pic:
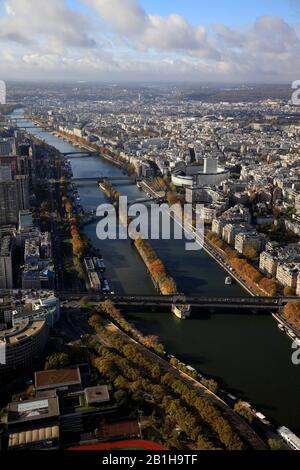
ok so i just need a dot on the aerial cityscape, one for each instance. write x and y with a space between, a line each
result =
149 227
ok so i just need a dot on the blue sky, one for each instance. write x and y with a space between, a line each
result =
225 40
232 12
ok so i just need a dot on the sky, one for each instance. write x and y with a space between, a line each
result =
150 40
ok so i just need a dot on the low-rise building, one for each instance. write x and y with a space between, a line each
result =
61 379
34 424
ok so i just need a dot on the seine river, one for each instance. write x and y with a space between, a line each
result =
246 353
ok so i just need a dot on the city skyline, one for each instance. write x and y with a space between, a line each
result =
135 40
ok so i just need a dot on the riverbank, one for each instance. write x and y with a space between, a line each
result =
242 352
209 249
162 280
209 401
206 245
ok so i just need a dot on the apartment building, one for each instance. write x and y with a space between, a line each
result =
268 262
230 231
287 274
218 226
248 240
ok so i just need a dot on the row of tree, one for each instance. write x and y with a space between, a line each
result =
248 271
138 377
211 384
218 243
244 267
150 341
157 269
209 413
131 370
162 279
292 313
110 191
78 247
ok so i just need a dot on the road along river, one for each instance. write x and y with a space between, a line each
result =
246 353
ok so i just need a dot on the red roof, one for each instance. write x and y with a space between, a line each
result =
129 444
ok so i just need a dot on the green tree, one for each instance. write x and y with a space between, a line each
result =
57 361
276 444
243 410
121 398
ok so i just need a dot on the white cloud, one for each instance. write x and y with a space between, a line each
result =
125 16
170 33
47 38
50 20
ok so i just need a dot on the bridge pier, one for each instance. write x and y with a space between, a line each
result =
183 312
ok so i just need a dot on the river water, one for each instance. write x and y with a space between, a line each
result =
247 354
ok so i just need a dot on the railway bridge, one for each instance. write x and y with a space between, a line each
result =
257 304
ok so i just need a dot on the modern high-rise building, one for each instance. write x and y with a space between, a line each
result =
6 271
22 185
9 205
25 220
5 173
24 344
14 191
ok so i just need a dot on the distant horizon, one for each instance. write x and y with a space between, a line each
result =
145 82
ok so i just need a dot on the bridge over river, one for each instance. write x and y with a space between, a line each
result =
80 154
101 178
159 301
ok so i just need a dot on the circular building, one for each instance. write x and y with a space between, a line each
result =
210 175
20 346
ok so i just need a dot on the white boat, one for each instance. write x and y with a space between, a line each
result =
228 281
182 311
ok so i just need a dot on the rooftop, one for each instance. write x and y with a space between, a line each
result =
50 379
33 436
24 330
5 246
32 410
97 394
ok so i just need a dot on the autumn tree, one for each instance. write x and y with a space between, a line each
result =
243 410
250 252
292 313
289 292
